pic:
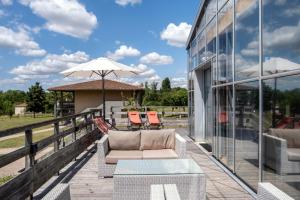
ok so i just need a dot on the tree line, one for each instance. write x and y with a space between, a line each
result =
165 96
36 98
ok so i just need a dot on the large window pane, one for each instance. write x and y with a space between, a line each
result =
281 41
211 9
247 39
201 47
223 121
221 3
281 138
225 43
211 41
246 130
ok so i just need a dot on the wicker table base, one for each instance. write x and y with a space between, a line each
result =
191 186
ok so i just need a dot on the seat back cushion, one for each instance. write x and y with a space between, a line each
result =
292 136
157 139
124 140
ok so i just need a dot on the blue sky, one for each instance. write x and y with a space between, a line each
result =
40 38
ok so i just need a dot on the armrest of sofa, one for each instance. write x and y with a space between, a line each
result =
267 190
275 150
103 147
180 146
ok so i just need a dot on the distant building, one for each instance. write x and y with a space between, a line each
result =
20 109
88 95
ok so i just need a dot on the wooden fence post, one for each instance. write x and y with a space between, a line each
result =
29 159
56 143
74 126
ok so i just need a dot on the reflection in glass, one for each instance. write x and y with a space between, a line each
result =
281 138
246 130
247 37
225 43
221 3
211 10
223 121
208 106
281 36
211 44
201 47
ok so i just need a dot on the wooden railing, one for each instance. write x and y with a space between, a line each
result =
37 172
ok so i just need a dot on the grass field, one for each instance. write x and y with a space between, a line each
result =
20 140
15 121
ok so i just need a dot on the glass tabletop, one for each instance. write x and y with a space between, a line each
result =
157 167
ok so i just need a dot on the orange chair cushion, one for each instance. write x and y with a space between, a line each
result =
101 124
153 117
134 117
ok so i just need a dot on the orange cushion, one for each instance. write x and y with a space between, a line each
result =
101 124
134 117
153 117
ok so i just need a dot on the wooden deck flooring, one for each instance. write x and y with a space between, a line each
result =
84 182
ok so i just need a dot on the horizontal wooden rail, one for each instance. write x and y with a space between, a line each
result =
37 172
20 129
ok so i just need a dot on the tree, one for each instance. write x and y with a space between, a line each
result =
8 108
166 85
36 98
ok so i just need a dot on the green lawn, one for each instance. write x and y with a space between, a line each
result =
7 123
19 141
5 179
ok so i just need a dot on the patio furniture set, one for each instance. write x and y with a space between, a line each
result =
139 159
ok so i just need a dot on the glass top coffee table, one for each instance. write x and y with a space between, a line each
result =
133 178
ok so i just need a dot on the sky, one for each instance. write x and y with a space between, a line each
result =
40 38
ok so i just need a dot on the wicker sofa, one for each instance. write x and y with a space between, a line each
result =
135 145
282 150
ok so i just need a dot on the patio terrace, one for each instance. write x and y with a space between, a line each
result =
82 175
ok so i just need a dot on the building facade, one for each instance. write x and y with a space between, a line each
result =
88 95
244 88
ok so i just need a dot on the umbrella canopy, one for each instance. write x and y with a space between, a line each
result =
98 67
101 68
272 66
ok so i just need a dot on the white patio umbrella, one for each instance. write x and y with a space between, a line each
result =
101 68
272 66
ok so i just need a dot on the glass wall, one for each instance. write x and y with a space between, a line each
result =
281 36
281 133
246 39
225 42
232 48
224 125
247 132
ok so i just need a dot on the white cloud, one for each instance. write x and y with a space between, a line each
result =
156 59
122 52
6 2
176 35
126 2
49 65
252 49
2 13
292 11
285 37
67 17
21 41
179 82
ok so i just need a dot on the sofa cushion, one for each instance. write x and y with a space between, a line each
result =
124 140
159 154
292 136
293 154
114 155
157 139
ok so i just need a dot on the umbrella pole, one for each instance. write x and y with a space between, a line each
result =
103 96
